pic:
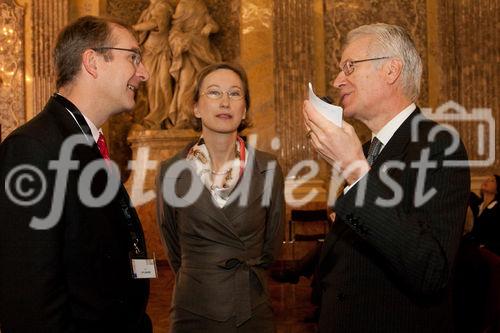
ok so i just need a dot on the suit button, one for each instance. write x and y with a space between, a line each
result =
340 297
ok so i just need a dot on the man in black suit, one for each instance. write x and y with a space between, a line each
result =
67 229
386 265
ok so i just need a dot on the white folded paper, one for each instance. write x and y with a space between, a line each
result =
331 112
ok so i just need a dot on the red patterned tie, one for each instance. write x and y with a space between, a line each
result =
101 143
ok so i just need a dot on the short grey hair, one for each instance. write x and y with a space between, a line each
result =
396 42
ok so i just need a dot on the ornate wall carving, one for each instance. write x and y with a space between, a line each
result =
49 16
11 66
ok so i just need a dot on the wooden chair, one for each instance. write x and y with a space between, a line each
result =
310 218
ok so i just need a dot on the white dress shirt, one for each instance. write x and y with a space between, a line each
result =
386 133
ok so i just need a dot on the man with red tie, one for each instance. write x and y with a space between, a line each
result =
68 233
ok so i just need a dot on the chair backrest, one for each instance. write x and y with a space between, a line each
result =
308 216
300 215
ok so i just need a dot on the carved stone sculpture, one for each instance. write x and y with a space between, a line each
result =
191 51
154 26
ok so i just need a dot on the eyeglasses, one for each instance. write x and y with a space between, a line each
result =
136 55
215 93
348 66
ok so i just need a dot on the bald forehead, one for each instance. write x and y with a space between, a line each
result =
358 47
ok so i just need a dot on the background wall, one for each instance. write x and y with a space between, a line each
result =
283 45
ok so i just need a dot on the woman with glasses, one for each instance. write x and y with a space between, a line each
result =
220 211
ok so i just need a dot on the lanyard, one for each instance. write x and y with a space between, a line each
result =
137 246
80 120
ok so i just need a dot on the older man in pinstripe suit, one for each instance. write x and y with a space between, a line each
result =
388 260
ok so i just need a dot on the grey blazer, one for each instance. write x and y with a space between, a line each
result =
219 255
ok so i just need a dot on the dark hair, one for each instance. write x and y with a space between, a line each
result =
497 181
196 122
86 32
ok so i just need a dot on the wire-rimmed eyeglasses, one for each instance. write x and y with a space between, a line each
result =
216 93
136 55
348 66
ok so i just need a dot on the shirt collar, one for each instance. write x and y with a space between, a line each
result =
386 133
93 128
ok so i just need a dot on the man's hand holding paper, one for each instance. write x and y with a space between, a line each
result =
338 144
331 112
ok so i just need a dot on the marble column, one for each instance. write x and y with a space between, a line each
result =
464 67
12 52
49 17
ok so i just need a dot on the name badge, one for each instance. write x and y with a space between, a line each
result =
144 269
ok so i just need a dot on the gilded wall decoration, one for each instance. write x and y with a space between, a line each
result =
11 66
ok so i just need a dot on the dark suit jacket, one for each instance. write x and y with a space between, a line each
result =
75 276
219 254
387 269
486 230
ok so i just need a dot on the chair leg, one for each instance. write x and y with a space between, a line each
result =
291 236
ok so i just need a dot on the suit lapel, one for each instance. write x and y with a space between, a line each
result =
398 143
188 180
393 150
249 188
85 155
203 203
69 127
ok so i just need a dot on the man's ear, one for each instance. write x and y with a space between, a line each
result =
89 61
393 69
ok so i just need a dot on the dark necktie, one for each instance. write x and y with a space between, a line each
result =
101 144
374 150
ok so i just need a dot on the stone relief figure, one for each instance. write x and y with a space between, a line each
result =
191 51
154 26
